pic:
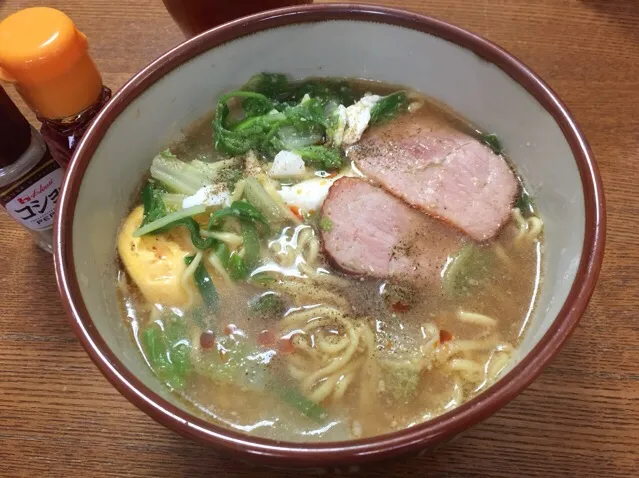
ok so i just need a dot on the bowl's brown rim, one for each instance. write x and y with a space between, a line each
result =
356 451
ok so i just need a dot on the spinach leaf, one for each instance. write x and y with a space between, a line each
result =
326 91
321 157
389 107
154 207
247 134
266 305
270 85
493 142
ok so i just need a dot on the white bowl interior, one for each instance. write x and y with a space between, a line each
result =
474 88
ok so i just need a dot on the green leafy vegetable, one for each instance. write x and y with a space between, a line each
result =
401 383
186 178
471 265
235 363
168 351
525 203
294 398
251 244
321 157
250 133
163 222
236 268
267 305
493 142
239 210
388 107
154 207
223 254
326 224
325 90
205 285
255 194
271 85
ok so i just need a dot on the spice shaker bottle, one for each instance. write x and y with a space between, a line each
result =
30 179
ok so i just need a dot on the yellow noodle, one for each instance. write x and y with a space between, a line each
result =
187 277
219 268
231 239
305 293
332 344
496 365
238 192
323 278
297 373
336 363
535 226
476 319
469 368
326 387
298 317
342 385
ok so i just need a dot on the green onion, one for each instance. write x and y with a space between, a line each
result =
168 219
240 210
251 244
205 285
194 229
223 254
237 271
294 398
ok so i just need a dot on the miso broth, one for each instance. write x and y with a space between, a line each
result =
234 301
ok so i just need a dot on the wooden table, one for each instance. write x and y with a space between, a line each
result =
60 417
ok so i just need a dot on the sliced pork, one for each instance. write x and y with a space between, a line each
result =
440 170
367 231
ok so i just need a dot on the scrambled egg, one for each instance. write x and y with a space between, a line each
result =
155 262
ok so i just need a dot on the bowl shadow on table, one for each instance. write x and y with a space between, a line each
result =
516 440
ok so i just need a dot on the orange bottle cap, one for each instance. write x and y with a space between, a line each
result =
44 54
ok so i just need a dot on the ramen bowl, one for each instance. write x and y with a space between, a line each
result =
474 77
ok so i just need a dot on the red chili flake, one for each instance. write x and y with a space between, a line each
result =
400 307
445 336
266 338
230 329
207 340
285 345
296 210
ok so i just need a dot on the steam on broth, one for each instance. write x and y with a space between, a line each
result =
341 260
